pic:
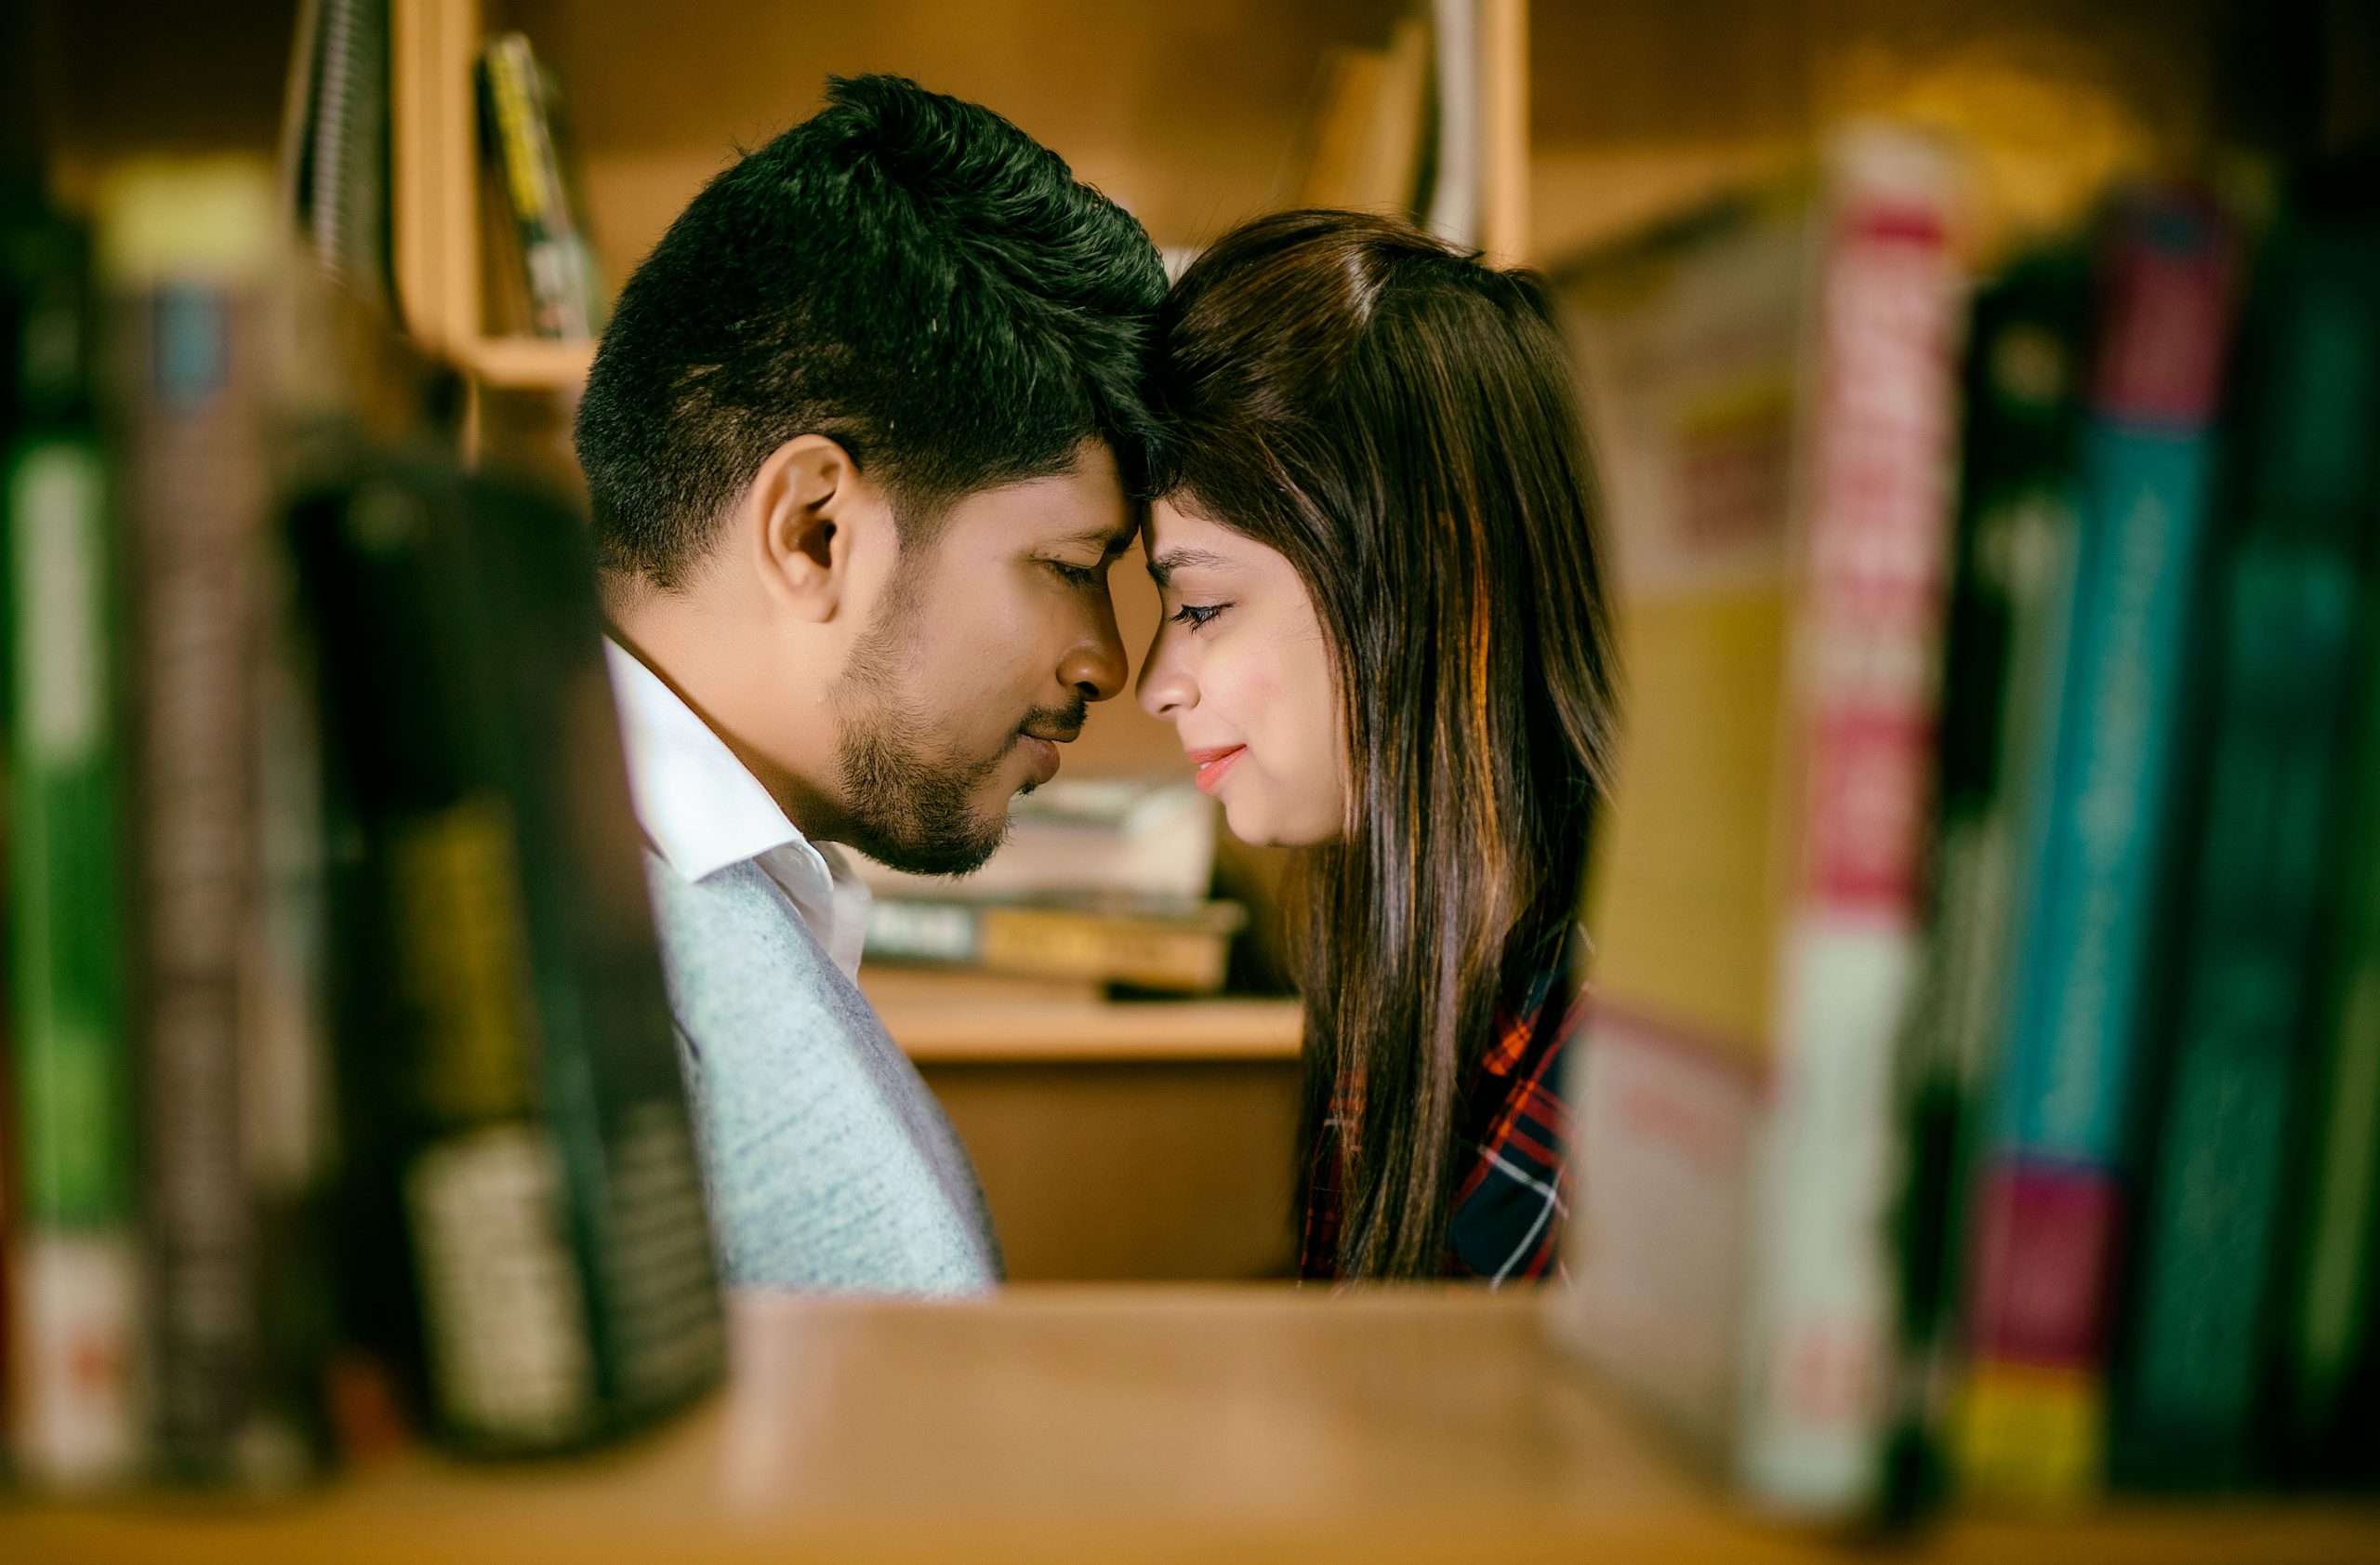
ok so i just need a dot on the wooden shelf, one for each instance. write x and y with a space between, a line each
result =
1122 1033
1125 1424
528 363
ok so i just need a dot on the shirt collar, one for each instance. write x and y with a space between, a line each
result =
703 809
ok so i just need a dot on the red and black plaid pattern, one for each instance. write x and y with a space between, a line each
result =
1505 1220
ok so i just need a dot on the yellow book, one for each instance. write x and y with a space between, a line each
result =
1769 385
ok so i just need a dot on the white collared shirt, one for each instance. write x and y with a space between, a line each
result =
704 810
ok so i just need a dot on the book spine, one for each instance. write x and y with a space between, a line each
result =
522 140
2192 1339
77 1295
1055 944
2322 470
1864 680
1041 942
191 247
611 1078
2329 1350
507 1051
2015 555
2031 1424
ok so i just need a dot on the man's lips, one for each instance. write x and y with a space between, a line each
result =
1214 763
1042 753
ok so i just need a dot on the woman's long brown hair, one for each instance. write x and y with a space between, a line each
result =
1399 421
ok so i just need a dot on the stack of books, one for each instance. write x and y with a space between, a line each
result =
1102 882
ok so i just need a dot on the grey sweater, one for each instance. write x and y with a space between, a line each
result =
828 1163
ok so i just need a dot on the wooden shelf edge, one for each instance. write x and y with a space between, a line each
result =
529 363
1123 1032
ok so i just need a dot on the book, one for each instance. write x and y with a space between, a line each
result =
335 141
2051 1198
527 146
1149 838
527 1253
189 252
2298 497
1771 384
74 1347
2322 392
2011 581
1180 948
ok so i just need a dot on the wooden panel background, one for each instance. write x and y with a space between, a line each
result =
1132 1171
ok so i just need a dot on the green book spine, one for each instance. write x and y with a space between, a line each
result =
508 1060
2187 1389
77 1296
2326 1379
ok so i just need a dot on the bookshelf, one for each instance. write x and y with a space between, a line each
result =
520 364
658 109
1129 1425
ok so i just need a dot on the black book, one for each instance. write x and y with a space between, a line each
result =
525 1237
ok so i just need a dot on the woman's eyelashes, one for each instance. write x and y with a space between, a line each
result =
1195 615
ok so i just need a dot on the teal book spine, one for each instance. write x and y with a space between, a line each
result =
2052 1192
2219 1135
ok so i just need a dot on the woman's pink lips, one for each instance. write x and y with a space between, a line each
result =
1213 763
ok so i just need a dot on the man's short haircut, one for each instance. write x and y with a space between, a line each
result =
907 274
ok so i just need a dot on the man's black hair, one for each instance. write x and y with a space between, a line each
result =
907 274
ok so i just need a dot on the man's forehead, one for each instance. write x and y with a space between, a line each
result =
1083 506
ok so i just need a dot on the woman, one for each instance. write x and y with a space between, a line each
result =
1386 643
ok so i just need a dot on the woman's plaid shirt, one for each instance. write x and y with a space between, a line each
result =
1505 1221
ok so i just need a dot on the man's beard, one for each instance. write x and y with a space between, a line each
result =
906 808
905 804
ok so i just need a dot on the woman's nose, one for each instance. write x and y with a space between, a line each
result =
1165 688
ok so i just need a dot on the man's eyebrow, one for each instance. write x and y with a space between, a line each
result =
1162 568
1109 541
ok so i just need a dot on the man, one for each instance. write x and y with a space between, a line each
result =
861 440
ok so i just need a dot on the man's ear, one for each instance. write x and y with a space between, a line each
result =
800 517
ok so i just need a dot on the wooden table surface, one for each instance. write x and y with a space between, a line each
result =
1122 1425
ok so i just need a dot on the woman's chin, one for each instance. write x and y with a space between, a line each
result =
1253 822
1248 822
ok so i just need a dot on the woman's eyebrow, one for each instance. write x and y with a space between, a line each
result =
1161 567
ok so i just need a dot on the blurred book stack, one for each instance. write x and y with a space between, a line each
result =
1984 1095
344 1085
1101 881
